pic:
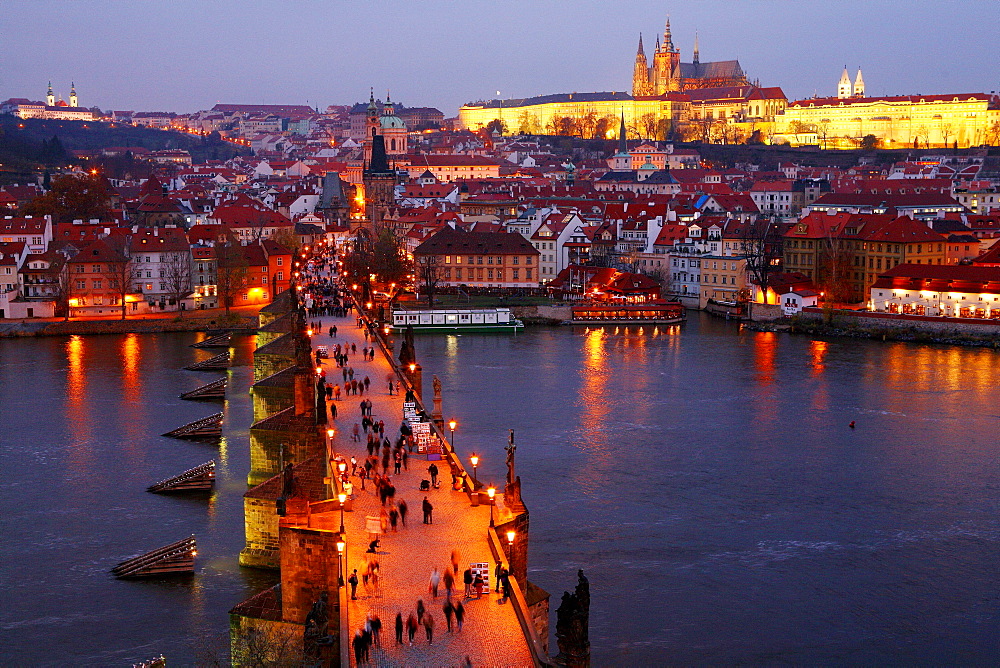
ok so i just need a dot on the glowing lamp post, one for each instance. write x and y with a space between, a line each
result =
475 463
343 499
491 492
451 425
329 442
341 546
510 538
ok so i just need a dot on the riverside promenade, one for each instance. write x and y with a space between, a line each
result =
491 635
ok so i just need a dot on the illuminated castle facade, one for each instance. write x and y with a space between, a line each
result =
668 74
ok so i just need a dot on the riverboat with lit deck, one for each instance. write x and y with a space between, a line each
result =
653 313
498 320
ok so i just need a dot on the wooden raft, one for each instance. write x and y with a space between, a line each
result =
218 363
206 428
199 479
218 341
174 558
214 391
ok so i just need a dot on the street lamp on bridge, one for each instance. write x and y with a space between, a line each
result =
475 462
491 492
342 497
451 425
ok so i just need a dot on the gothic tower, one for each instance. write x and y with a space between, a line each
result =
379 180
72 94
640 76
50 98
844 87
697 57
859 85
666 65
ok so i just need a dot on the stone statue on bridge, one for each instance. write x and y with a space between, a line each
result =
573 626
511 449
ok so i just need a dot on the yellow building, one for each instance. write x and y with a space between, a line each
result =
591 114
896 121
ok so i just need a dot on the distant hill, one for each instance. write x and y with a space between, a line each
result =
26 144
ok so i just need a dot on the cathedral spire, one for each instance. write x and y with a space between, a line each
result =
697 59
668 41
641 51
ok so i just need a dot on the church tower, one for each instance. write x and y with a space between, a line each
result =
844 90
621 161
50 98
859 85
640 76
379 180
73 100
697 56
666 65
372 126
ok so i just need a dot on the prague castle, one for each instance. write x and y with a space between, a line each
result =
668 74
668 99
895 121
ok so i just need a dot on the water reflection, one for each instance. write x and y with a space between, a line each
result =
817 355
595 407
76 405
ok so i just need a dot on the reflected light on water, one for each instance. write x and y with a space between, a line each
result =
76 386
595 407
764 345
817 357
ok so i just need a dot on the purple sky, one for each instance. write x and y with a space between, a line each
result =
185 55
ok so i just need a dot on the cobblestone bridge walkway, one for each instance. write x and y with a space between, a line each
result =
491 635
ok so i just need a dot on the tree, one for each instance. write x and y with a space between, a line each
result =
528 124
604 127
993 134
177 275
757 239
834 269
73 197
496 125
429 275
870 143
120 271
647 126
232 272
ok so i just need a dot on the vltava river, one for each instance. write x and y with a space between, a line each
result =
706 480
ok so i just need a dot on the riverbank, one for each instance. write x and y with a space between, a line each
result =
889 331
238 322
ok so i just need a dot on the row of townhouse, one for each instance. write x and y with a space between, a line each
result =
88 269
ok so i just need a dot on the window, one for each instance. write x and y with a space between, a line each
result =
246 296
517 260
280 260
81 285
479 260
527 274
458 259
280 276
489 260
447 259
489 274
458 273
499 274
163 287
149 274
96 268
516 274
528 261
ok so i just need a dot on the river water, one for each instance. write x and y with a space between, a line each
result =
706 480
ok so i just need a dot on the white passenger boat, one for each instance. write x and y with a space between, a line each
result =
457 320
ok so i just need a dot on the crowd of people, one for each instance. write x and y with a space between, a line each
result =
385 457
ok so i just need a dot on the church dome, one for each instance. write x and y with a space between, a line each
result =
392 123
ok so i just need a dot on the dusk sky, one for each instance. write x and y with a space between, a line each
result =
185 55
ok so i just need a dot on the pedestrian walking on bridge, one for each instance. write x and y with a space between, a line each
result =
428 512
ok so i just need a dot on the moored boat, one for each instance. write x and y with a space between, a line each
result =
498 320
656 313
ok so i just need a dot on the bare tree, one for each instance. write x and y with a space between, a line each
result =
429 274
177 275
756 240
120 271
232 272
